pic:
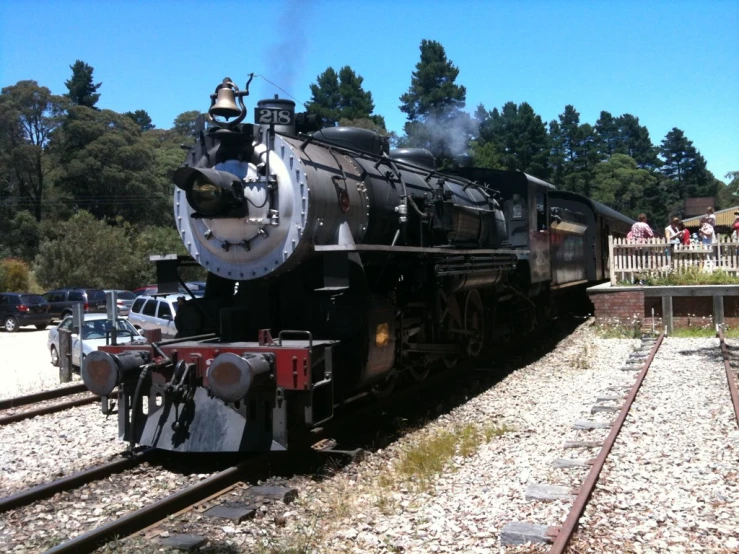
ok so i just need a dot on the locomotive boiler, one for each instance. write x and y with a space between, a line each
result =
336 268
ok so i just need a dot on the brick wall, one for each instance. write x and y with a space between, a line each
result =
621 306
687 311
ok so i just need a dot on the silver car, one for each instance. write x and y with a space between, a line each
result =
124 300
96 332
155 312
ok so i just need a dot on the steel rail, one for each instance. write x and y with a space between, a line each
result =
47 490
146 516
565 532
61 406
729 374
41 396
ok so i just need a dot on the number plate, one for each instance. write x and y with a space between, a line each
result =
268 116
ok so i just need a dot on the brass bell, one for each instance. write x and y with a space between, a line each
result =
225 105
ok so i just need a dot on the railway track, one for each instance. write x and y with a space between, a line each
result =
563 535
22 407
47 490
356 426
565 532
731 373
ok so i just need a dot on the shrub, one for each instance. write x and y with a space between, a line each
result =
14 275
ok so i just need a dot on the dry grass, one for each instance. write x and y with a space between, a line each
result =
431 455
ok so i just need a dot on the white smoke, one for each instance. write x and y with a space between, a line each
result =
447 133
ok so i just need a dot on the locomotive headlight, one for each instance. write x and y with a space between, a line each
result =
211 192
382 335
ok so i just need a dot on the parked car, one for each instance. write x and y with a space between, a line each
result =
95 333
147 290
63 300
152 290
21 309
155 312
124 300
197 287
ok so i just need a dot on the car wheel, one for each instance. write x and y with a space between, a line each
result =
10 324
40 327
66 313
54 356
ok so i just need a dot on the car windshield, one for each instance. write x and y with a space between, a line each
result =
32 299
97 329
125 295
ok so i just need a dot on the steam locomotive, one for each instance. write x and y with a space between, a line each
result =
336 268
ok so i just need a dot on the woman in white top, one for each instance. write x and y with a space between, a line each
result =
671 231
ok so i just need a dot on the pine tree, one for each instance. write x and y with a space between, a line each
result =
519 136
635 142
82 91
142 119
434 104
685 167
607 129
340 97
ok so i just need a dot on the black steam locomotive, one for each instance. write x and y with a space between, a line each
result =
336 267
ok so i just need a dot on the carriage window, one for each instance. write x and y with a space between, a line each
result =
541 213
517 207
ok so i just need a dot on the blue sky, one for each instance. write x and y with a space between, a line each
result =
670 63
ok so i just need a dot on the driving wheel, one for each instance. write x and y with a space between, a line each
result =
474 322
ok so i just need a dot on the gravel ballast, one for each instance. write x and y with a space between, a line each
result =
670 483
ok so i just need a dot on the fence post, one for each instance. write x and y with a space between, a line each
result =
611 261
667 313
65 355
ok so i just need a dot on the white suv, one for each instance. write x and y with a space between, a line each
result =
155 312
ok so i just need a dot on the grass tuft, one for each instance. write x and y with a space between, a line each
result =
430 456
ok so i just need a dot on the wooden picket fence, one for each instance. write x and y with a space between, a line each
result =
656 257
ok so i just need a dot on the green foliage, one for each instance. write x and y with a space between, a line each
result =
109 170
518 135
142 119
29 117
620 184
14 275
574 153
685 168
433 91
691 276
434 104
86 252
340 96
186 123
486 155
82 91
22 236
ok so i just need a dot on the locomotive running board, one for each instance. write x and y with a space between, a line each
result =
415 249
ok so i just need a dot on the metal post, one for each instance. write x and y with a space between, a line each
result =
718 310
111 308
65 356
78 322
667 313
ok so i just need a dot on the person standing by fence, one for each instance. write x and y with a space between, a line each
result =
672 233
672 236
641 230
684 234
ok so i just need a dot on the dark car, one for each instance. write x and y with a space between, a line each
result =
63 300
20 309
